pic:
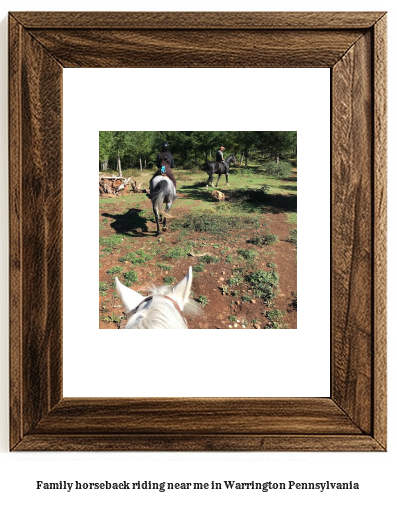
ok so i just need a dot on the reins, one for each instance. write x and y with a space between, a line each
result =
149 298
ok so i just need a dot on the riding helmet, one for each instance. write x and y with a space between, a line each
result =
165 146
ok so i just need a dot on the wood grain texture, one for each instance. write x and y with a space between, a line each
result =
352 232
15 228
354 46
204 443
195 416
380 229
36 209
196 48
200 20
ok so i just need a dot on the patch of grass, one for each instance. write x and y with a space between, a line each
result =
113 271
111 241
177 252
246 298
232 318
169 280
199 268
220 224
165 267
292 217
248 254
280 170
293 237
202 300
271 265
235 280
264 239
275 315
209 259
229 259
110 318
225 290
103 287
130 277
137 257
264 284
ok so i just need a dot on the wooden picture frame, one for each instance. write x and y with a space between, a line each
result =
353 46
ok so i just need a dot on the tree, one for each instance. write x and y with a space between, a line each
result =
105 147
277 142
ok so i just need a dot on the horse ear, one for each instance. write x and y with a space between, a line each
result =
181 292
130 298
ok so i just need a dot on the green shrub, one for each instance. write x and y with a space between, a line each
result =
219 224
293 236
169 280
264 239
202 300
130 277
103 287
113 271
209 259
280 170
165 267
264 284
138 257
248 254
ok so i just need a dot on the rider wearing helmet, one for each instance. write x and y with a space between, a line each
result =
165 163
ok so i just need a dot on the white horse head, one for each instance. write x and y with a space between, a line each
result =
163 309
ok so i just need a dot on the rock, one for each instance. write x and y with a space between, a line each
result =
253 301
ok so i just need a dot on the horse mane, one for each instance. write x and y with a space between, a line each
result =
161 313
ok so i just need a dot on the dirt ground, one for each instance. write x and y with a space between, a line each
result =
218 314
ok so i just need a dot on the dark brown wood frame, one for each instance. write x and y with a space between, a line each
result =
353 46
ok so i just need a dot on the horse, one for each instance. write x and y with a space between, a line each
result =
163 309
219 168
162 191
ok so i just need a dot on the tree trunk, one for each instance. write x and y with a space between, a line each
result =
246 157
119 163
241 158
140 162
277 158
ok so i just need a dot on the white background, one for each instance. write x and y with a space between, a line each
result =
18 472
212 362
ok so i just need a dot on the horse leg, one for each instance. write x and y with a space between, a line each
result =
167 208
219 175
227 179
156 216
208 181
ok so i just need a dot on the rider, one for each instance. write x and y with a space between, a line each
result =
219 156
165 163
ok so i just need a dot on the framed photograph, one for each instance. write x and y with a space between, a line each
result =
353 46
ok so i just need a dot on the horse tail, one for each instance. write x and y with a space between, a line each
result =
158 196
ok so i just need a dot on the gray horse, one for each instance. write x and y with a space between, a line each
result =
162 191
219 168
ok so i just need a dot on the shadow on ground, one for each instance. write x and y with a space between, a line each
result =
130 223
